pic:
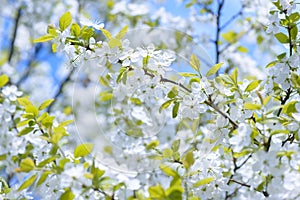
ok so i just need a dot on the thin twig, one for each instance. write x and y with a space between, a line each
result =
209 103
233 17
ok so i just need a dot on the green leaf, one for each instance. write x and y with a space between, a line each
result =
153 144
156 192
294 32
176 145
281 56
46 161
165 105
3 80
28 182
27 165
66 123
282 38
32 110
25 131
195 62
59 132
175 110
106 96
173 93
67 195
167 153
254 84
187 74
289 108
214 69
118 186
44 38
251 106
83 150
136 101
45 104
113 42
294 17
24 101
234 75
43 178
168 170
271 64
188 159
65 21
230 36
204 181
242 49
104 81
266 100
106 33
122 33
75 30
54 47
122 70
86 33
280 132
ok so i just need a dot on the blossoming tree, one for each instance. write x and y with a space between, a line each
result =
139 110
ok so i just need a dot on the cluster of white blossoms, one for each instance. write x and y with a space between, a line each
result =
164 135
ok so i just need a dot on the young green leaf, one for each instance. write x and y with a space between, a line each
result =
67 195
65 21
44 38
282 38
157 192
122 33
113 42
83 150
254 84
3 80
195 62
153 144
25 131
204 181
214 69
251 106
75 30
175 110
43 178
168 170
45 104
105 96
165 105
28 182
27 165
188 159
106 33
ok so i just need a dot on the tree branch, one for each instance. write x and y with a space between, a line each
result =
60 90
29 65
13 39
218 31
233 17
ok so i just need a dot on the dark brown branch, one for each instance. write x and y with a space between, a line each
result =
283 101
13 39
60 89
233 17
29 65
218 31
